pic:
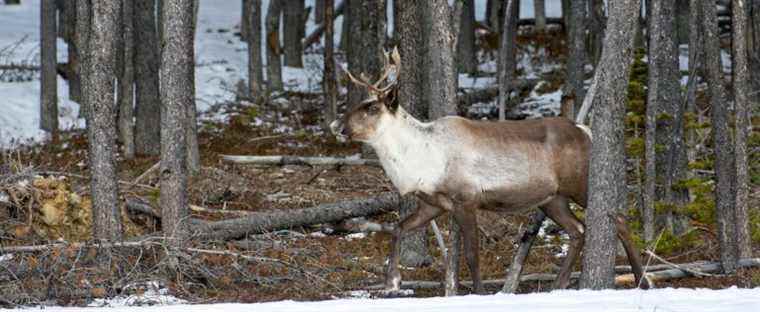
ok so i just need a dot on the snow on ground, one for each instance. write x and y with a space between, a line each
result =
669 300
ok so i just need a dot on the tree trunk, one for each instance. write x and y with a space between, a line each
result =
69 23
539 9
191 125
127 81
255 67
724 157
274 65
414 248
741 86
101 126
607 185
439 66
48 62
344 43
245 21
293 32
681 15
261 222
177 93
507 56
696 65
753 32
319 11
366 42
466 57
147 103
665 114
597 24
329 78
576 60
495 18
83 29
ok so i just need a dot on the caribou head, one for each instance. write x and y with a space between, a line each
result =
365 120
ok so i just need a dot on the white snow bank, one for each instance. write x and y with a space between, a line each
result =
677 300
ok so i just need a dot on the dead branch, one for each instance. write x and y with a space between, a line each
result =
13 66
220 211
258 222
297 160
147 172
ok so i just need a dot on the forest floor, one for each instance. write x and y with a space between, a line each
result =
44 198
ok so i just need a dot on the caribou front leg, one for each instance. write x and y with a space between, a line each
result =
425 212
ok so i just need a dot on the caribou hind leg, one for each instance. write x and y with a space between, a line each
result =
558 209
624 234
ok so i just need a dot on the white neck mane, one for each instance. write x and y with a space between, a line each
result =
410 151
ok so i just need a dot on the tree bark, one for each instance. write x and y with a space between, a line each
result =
245 21
48 62
366 42
439 68
507 56
293 32
696 65
753 32
126 97
607 172
260 222
597 24
466 57
274 65
344 41
101 127
147 103
329 79
177 93
724 166
255 66
319 11
743 125
83 29
69 23
576 60
539 9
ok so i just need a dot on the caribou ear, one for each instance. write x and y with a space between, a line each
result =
390 98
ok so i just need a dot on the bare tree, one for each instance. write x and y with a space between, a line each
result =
539 9
48 74
724 166
293 31
68 21
255 66
319 11
329 80
414 249
607 185
696 64
127 80
576 59
596 26
366 41
83 25
466 58
741 83
507 56
245 22
101 126
274 64
177 93
147 103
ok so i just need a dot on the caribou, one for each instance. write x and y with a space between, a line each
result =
459 166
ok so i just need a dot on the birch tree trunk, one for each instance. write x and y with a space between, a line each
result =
101 126
724 156
274 64
127 81
147 102
48 62
741 83
607 185
177 93
507 56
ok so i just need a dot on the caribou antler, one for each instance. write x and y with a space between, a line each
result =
388 67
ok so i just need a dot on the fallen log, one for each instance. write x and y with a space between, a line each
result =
297 160
661 275
259 222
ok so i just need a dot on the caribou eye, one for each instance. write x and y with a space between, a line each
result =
373 109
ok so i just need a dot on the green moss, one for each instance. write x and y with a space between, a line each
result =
635 147
705 164
754 224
